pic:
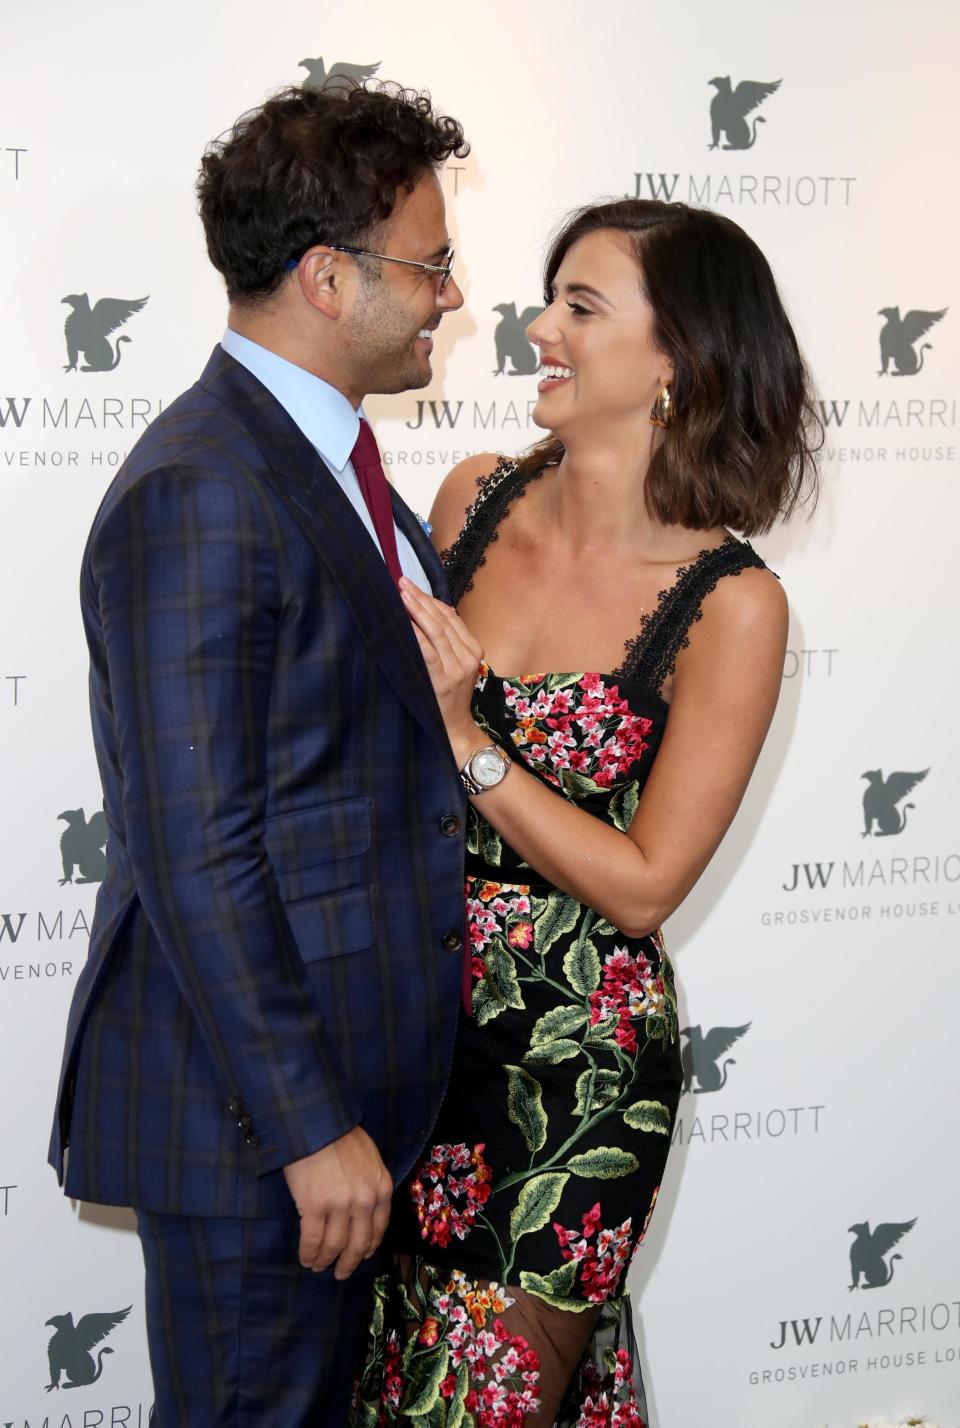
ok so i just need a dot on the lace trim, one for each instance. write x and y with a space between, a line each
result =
495 495
652 653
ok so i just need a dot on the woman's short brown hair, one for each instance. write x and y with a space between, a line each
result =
739 451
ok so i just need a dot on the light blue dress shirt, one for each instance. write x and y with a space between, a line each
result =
329 423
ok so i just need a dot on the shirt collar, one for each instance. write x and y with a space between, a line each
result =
322 413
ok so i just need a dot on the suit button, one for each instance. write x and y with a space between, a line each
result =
251 1139
245 1123
235 1106
452 941
450 825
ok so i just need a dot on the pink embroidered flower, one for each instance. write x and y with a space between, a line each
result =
392 1378
429 1332
610 1400
630 990
447 1204
603 1262
520 934
489 906
503 1370
571 722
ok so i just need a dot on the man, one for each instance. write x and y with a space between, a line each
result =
260 1039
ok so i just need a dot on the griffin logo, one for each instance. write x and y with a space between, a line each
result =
69 1350
868 1250
701 1054
898 336
338 76
881 798
87 329
512 342
82 845
729 108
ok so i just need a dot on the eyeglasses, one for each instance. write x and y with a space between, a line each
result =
444 270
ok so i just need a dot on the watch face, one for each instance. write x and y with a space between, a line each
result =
487 768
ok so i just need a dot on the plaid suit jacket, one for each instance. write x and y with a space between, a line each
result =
276 952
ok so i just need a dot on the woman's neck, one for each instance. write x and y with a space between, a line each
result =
596 497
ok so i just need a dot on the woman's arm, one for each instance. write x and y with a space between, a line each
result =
725 692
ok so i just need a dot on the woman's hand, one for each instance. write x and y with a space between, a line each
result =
453 659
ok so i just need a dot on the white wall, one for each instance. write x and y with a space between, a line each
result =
837 1107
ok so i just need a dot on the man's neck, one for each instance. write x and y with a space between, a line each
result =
268 330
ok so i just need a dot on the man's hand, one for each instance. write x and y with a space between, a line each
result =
342 1194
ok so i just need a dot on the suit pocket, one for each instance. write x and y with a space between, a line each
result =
332 925
319 850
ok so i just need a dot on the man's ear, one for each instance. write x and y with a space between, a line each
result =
323 277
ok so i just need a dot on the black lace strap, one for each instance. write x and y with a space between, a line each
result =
665 631
495 494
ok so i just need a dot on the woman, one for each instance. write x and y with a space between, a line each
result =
677 404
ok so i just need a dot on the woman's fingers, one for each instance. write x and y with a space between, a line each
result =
442 625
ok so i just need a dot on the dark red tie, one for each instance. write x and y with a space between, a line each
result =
375 491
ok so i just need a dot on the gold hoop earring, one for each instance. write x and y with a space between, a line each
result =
661 413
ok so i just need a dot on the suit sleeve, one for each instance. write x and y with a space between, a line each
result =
189 603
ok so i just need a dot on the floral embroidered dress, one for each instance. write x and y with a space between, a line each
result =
512 1238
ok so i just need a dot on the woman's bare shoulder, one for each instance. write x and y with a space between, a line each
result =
457 493
742 625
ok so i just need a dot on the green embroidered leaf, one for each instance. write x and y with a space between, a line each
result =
525 1106
491 844
501 974
606 1088
605 1162
426 1376
553 1052
457 1408
533 1283
648 1116
560 681
602 1034
539 1198
559 916
376 1317
581 966
485 1005
557 1022
369 1415
658 1028
603 928
557 1282
623 805
578 785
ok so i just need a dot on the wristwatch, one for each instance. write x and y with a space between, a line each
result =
484 769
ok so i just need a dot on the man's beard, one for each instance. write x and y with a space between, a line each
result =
385 344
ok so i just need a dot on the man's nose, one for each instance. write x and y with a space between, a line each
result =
451 298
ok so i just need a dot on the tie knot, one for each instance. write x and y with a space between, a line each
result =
365 452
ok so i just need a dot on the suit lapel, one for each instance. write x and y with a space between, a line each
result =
315 500
424 551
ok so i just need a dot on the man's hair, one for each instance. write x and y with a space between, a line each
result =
741 445
313 166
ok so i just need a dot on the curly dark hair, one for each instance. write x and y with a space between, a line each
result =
313 166
740 450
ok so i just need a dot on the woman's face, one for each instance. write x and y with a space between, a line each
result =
599 362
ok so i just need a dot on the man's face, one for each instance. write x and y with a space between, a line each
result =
396 309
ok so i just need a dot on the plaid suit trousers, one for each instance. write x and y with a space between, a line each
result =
241 1335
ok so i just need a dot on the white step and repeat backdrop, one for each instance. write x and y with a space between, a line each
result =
803 1266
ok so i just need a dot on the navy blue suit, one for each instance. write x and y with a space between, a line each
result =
277 950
